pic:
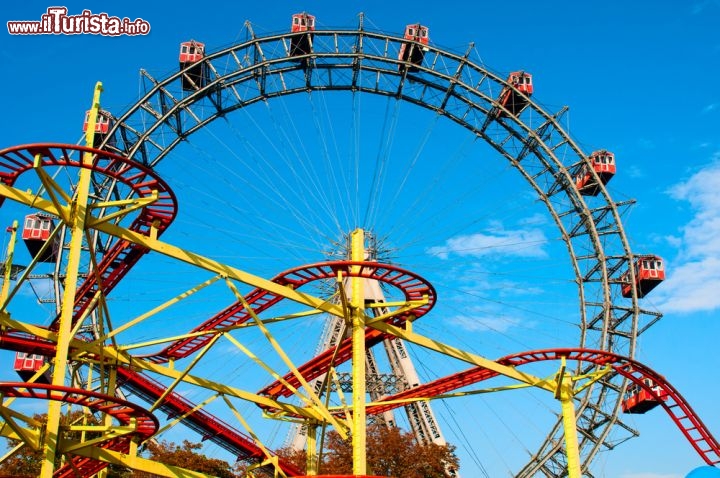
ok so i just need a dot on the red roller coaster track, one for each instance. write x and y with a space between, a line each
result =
113 266
118 261
676 406
145 424
140 180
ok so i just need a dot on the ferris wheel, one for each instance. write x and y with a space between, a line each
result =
240 198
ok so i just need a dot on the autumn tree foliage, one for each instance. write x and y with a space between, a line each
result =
390 452
185 456
26 462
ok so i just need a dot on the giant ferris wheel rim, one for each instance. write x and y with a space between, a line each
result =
601 269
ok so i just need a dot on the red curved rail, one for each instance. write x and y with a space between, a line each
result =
113 266
674 404
121 410
138 179
207 425
412 286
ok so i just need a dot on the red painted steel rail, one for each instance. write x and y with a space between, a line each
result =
121 410
139 180
672 401
412 286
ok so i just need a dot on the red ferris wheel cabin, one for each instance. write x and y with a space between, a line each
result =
302 44
302 22
26 365
603 162
649 272
36 232
414 47
102 122
191 54
640 400
515 100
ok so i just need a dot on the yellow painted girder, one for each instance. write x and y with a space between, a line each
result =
357 332
86 349
78 214
182 417
158 309
29 436
569 419
180 254
406 307
53 189
128 206
315 401
108 434
469 357
268 456
169 389
138 463
12 451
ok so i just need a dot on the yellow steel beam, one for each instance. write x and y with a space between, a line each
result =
357 307
449 350
137 463
572 449
252 434
30 436
183 374
405 307
53 190
591 378
12 451
108 434
158 309
311 453
275 375
316 402
8 263
127 205
182 255
79 212
180 418
404 401
217 267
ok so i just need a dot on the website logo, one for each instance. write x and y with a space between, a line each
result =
57 22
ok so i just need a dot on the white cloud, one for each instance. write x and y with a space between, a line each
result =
526 243
694 277
485 324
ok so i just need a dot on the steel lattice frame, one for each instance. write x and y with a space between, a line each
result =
361 61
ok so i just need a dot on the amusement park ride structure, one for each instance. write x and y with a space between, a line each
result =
118 208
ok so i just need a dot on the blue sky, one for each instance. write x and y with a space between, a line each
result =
638 78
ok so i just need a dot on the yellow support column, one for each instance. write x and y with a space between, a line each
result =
311 456
357 310
8 263
78 214
572 449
